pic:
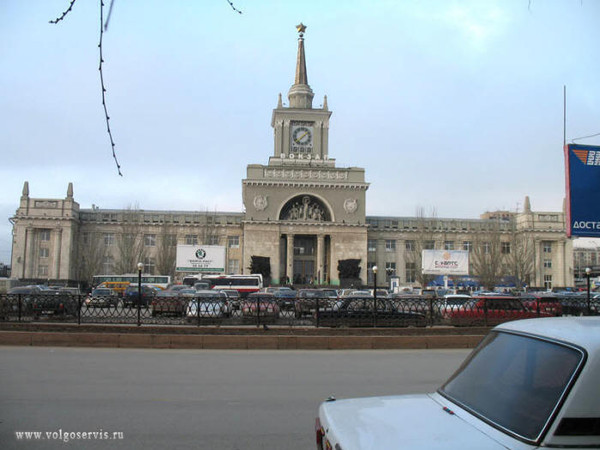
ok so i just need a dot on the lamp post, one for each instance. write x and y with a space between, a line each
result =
374 295
588 272
140 267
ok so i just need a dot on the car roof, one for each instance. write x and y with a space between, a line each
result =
581 331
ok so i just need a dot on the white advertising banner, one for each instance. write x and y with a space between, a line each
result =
445 262
200 258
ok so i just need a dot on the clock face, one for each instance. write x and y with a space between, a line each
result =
302 138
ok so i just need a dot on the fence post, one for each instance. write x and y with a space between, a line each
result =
198 311
19 305
318 312
258 311
374 310
485 312
79 309
431 314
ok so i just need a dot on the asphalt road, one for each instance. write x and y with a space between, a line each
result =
200 399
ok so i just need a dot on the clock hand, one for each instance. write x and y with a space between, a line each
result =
297 141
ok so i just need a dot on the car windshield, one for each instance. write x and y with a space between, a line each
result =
514 382
101 292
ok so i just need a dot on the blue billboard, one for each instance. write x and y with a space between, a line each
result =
582 164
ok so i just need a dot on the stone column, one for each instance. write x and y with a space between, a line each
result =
290 258
320 247
57 253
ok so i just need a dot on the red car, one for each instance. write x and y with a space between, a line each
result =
542 303
492 310
266 304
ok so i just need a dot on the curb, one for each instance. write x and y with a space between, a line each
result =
239 342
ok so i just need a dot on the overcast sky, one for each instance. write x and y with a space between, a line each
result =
455 106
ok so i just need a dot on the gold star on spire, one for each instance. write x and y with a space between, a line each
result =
301 28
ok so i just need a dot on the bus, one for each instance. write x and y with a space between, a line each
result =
244 284
119 283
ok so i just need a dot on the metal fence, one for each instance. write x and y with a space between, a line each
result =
263 310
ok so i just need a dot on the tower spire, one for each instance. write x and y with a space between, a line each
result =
300 94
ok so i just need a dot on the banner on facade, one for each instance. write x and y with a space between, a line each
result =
200 258
582 164
445 262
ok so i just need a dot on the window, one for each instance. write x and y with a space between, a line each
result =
505 248
390 245
390 270
409 246
170 240
411 272
213 240
107 264
191 239
42 271
149 265
547 263
429 245
514 381
150 240
372 245
44 252
467 245
44 235
547 246
449 245
233 242
548 282
233 266
487 248
109 239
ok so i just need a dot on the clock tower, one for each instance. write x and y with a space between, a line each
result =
302 212
301 133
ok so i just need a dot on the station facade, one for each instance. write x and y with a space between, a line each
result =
302 212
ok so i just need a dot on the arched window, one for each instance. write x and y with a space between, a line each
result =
305 208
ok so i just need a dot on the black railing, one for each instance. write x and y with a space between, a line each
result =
261 310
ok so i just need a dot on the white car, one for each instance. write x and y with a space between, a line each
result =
529 384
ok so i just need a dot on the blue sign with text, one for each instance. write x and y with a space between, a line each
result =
583 190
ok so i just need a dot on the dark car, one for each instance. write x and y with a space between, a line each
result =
284 296
19 299
170 302
63 302
131 296
368 312
308 300
102 298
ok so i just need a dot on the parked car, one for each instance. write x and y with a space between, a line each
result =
208 304
170 302
23 295
131 296
259 303
64 302
360 312
529 384
450 303
491 310
285 298
102 298
576 304
543 303
306 301
233 299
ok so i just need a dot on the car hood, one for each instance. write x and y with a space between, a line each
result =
408 421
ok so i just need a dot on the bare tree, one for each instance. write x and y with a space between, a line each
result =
423 238
167 250
209 233
521 259
130 241
488 256
91 252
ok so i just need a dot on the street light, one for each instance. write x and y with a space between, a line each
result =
140 267
375 282
374 295
588 272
